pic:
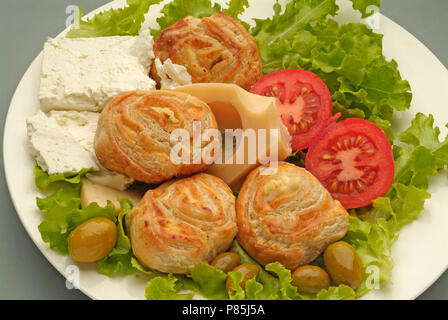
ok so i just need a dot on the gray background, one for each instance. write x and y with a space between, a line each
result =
24 27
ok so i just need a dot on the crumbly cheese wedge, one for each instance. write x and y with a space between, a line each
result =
55 149
172 75
92 192
110 179
235 108
83 74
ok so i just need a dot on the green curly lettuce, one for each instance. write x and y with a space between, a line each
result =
178 9
341 292
210 281
236 291
120 259
43 180
61 209
57 226
204 279
166 288
125 21
268 286
366 7
236 7
62 213
274 282
272 33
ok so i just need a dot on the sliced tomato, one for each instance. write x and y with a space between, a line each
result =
353 160
303 100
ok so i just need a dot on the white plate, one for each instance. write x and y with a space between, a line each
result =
420 253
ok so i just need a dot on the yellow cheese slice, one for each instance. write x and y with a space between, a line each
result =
236 108
93 192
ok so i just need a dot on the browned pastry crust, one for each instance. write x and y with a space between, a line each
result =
287 216
213 49
183 223
133 134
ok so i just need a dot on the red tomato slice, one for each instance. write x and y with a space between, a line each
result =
303 100
353 160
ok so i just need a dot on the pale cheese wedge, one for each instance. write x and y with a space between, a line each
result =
236 108
93 192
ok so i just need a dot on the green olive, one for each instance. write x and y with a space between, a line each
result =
226 261
92 240
249 271
343 264
310 279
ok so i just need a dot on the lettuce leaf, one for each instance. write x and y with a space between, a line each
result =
270 286
366 7
267 286
420 156
166 288
236 7
139 267
125 21
341 292
423 133
56 228
179 9
236 292
58 206
373 243
286 290
210 281
44 181
297 14
204 279
120 259
62 213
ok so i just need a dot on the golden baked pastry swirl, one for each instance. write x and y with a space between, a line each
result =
213 49
133 136
287 216
183 223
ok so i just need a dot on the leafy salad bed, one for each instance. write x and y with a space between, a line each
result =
363 84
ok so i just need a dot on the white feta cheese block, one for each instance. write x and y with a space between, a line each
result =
82 126
55 149
83 74
172 75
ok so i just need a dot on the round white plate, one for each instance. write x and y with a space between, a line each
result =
419 254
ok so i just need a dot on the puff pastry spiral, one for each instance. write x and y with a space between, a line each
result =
287 216
183 223
133 136
213 49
